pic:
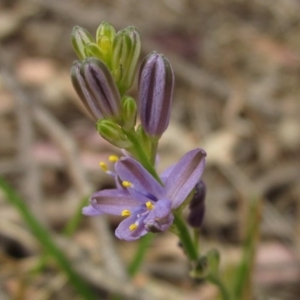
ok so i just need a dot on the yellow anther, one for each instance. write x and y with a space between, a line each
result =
125 213
149 205
133 227
113 158
126 184
103 166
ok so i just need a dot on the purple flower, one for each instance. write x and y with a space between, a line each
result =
146 204
156 82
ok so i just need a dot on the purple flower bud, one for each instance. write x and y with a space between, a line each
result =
197 205
82 91
95 86
156 82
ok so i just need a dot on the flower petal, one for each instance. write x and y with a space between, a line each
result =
91 211
166 173
130 170
160 217
184 176
114 201
123 231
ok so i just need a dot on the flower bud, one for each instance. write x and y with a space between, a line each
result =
197 206
102 88
80 87
126 51
105 29
129 111
104 37
80 37
113 133
156 82
93 50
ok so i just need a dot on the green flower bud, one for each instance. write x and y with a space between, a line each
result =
105 29
104 37
113 133
80 37
129 111
93 50
126 51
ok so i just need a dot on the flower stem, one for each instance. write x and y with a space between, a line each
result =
196 232
140 153
154 144
185 238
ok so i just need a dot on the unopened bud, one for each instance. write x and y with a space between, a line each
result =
102 88
113 133
93 50
105 29
126 51
129 111
197 206
80 37
80 87
104 37
156 82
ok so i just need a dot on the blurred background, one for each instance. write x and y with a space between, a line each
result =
237 68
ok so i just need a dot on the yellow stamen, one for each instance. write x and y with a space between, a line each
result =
149 205
126 184
113 158
103 166
125 213
133 227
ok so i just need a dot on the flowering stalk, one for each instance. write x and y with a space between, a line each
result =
149 202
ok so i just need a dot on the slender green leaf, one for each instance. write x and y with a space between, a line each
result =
46 241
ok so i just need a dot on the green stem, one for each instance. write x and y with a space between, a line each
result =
185 238
196 233
45 239
214 279
138 258
140 153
